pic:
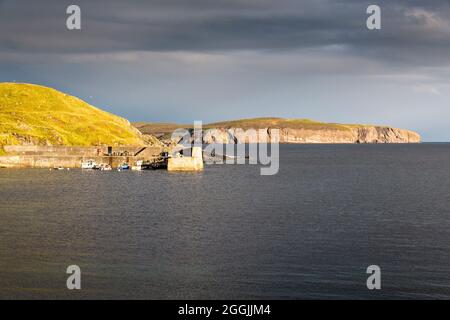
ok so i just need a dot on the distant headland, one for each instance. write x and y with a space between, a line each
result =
291 131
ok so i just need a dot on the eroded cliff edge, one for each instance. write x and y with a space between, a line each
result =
287 135
290 130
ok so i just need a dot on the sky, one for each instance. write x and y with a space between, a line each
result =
214 60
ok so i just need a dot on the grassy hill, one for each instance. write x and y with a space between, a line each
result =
32 114
300 131
160 129
260 123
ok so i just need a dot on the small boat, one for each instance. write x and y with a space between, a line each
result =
158 165
90 165
105 167
123 167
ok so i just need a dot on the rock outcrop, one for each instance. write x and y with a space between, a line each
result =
290 131
366 134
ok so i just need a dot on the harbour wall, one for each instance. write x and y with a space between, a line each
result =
72 157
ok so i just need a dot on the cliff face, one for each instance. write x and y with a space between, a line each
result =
291 131
367 134
386 135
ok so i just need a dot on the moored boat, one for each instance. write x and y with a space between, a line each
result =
105 167
123 167
90 165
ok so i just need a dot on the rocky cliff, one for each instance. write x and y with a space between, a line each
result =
373 134
290 130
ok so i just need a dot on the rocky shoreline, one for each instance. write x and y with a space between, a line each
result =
258 130
375 134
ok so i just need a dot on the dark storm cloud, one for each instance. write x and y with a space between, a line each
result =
411 29
223 59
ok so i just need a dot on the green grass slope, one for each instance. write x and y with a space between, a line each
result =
260 123
32 114
158 128
255 123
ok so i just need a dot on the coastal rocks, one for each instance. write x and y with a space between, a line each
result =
386 135
217 136
258 130
288 135
235 135
355 134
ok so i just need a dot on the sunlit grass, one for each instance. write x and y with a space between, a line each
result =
254 123
259 123
40 115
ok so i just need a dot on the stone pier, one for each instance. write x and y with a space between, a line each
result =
72 157
193 163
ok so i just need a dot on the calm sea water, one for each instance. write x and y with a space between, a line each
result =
308 232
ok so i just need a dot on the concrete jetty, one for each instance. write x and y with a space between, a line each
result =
182 163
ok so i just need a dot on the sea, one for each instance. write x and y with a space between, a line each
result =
308 232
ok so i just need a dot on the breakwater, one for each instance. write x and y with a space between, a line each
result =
72 157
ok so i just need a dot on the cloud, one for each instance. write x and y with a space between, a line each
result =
429 21
201 25
231 58
427 89
326 36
